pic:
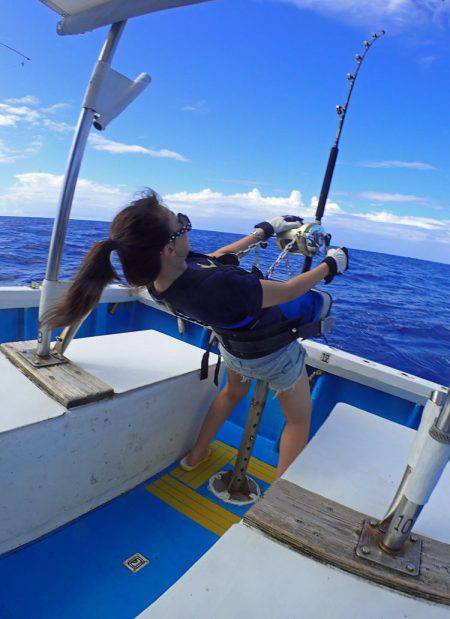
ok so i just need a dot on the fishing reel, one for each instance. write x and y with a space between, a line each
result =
306 240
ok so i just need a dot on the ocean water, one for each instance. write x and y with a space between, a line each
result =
389 309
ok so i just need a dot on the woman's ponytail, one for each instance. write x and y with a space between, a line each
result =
138 233
94 274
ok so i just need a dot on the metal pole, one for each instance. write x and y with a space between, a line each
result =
435 397
70 180
407 512
236 486
238 480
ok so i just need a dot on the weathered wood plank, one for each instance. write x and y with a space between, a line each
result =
329 532
67 383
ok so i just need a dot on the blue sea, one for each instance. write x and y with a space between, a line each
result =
389 309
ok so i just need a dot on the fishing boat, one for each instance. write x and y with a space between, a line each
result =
97 519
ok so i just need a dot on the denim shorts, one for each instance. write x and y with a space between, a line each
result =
281 369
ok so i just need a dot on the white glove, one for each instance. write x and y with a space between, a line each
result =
283 223
340 256
337 261
279 224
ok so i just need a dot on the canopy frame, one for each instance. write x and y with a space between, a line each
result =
92 14
50 286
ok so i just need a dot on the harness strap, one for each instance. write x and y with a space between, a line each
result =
204 367
261 342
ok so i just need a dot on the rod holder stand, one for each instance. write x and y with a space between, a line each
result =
236 487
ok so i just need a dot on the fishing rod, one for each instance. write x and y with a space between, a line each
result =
310 238
16 51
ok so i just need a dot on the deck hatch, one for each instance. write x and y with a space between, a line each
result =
136 562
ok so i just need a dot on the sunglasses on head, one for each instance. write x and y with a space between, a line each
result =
186 226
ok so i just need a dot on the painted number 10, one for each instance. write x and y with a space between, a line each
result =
404 527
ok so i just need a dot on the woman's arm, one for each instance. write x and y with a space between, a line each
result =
240 245
275 293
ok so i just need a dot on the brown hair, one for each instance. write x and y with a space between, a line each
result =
138 233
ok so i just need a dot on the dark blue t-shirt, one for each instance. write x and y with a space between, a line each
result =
219 295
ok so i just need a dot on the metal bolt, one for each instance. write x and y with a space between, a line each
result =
410 567
365 550
413 538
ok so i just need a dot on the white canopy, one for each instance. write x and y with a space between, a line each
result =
84 15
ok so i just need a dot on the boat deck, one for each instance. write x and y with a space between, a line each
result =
171 519
356 460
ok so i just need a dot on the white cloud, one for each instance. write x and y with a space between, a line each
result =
199 107
14 112
37 193
248 205
378 196
427 223
427 61
6 120
11 115
10 155
56 107
35 146
240 211
98 142
392 14
27 100
332 208
7 154
411 165
56 125
24 110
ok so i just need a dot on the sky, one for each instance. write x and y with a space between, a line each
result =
237 122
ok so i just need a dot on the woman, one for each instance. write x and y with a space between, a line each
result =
153 248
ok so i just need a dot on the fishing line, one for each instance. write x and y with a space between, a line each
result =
16 51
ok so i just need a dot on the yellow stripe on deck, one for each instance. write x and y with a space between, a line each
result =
222 454
177 488
202 511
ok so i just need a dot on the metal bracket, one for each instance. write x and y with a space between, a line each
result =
406 561
245 493
40 362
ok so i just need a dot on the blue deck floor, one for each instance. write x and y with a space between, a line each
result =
78 572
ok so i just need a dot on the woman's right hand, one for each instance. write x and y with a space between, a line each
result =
337 261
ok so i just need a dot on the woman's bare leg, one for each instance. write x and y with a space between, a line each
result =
296 406
220 409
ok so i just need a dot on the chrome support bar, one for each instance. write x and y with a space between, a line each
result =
443 421
401 524
397 498
69 184
63 340
406 513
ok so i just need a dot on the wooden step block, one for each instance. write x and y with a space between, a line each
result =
67 383
329 532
